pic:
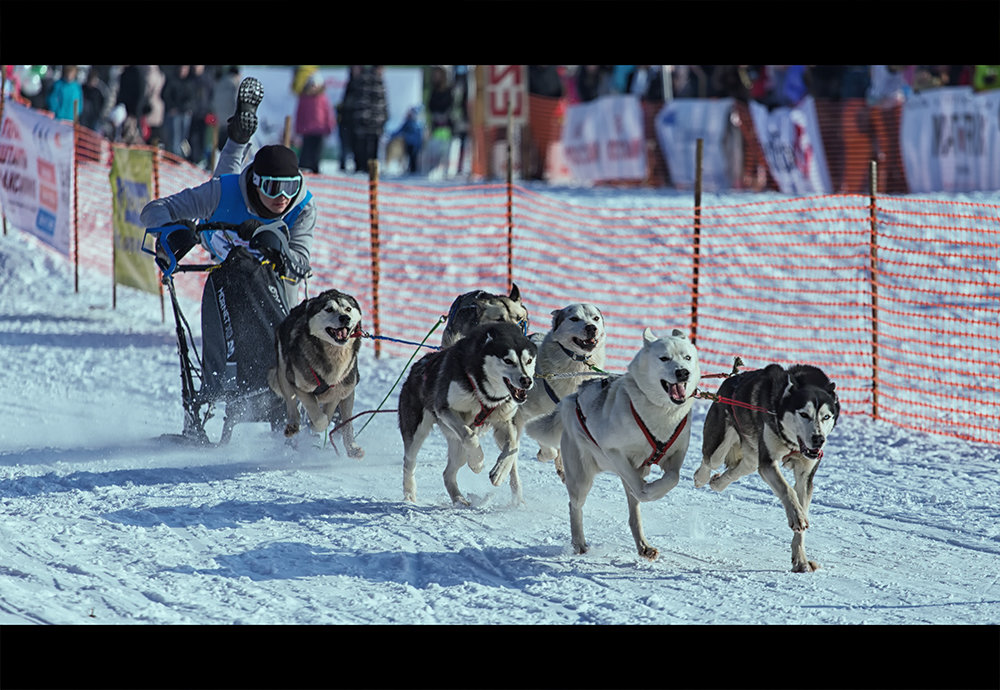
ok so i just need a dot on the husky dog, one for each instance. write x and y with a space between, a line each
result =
317 346
624 424
573 347
776 417
478 307
476 383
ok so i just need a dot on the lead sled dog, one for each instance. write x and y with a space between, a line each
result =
779 418
573 347
478 307
476 384
624 425
317 363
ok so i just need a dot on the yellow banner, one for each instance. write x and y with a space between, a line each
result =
131 185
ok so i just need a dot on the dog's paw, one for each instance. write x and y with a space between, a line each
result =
798 523
581 549
291 430
546 454
649 552
320 425
717 482
461 500
355 451
474 459
805 567
701 476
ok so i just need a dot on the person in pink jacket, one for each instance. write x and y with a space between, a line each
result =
314 122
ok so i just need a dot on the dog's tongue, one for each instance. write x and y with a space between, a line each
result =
677 391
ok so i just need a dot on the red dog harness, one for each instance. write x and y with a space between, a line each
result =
659 449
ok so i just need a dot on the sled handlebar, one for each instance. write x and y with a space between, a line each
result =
160 242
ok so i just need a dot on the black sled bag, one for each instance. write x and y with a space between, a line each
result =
241 308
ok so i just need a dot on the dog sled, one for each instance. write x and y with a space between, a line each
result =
243 302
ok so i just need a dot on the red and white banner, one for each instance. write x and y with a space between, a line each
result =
793 147
679 126
950 140
605 140
36 174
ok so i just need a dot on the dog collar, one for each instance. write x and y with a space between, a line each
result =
573 355
659 449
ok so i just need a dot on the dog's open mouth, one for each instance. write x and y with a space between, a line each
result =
519 394
587 344
339 334
811 453
678 395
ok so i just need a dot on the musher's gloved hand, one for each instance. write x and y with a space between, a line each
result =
179 242
247 228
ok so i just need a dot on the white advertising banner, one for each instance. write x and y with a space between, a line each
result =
679 126
793 147
36 171
950 140
605 140
506 91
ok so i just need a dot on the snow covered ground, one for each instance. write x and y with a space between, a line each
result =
104 523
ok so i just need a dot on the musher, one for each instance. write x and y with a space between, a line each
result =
268 199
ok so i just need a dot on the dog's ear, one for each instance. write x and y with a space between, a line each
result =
557 318
648 335
677 333
515 294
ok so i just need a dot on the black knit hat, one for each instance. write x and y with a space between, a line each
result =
276 160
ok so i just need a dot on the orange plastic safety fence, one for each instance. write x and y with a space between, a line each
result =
786 281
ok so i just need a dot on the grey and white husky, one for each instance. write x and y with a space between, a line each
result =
625 424
568 354
776 417
478 383
478 307
317 363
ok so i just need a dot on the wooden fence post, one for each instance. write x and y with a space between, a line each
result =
373 215
510 197
697 243
874 287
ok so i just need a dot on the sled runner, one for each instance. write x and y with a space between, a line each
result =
242 304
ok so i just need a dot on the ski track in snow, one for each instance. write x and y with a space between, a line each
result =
107 524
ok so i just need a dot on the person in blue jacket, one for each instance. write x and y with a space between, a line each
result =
412 134
267 199
66 98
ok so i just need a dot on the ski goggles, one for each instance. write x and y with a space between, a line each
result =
273 187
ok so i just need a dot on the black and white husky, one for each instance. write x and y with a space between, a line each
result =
317 363
625 424
475 384
478 307
766 418
571 352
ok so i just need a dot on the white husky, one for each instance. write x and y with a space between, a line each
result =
624 425
572 348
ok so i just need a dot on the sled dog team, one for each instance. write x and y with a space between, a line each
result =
490 375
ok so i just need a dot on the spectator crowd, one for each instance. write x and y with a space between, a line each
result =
179 107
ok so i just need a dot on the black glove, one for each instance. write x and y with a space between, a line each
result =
275 257
179 242
247 228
